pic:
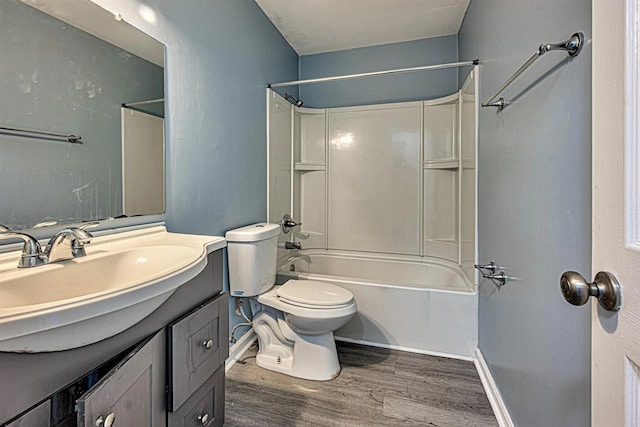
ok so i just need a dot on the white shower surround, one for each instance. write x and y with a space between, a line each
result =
421 300
404 302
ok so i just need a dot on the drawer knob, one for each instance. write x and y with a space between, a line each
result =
204 419
106 421
208 344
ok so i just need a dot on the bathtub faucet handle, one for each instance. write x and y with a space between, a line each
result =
288 223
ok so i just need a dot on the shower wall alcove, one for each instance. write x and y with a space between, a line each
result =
386 195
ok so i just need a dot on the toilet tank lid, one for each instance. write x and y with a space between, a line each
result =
253 232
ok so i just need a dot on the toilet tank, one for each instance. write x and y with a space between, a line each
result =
252 255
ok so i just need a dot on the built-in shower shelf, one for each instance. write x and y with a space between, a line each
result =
308 166
441 164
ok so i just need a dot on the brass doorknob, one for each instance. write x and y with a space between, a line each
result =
605 287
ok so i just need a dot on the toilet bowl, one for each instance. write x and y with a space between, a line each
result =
295 321
295 337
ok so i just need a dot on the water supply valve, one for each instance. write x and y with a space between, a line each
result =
288 223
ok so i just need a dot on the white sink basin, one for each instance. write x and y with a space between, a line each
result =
122 280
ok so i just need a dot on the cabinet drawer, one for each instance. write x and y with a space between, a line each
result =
205 407
198 345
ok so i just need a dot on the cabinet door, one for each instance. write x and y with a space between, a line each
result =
199 345
40 416
132 393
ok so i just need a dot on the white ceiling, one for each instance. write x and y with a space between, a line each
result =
95 20
316 26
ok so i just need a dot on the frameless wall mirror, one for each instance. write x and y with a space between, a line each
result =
81 115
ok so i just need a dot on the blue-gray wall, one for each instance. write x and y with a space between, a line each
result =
381 89
534 205
220 56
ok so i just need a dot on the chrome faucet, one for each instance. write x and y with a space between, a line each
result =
32 254
65 244
69 243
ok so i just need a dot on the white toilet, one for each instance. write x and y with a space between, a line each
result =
294 322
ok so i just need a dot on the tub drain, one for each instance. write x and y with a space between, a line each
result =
292 267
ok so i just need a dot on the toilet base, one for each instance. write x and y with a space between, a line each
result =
280 349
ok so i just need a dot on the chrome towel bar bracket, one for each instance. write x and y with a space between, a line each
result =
489 271
572 46
500 279
74 139
491 267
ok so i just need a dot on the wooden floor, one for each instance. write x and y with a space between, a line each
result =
376 387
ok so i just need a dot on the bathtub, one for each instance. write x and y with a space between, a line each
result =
423 305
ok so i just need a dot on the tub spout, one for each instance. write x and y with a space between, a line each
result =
293 245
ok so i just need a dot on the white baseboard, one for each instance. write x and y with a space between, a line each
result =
407 349
493 393
239 348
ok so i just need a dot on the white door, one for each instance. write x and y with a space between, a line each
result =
615 370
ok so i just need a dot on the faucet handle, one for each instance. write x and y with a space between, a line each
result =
90 224
45 224
31 251
82 236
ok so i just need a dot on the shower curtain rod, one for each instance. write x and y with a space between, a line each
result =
152 101
375 73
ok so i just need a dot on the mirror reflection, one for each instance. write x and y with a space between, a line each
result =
63 73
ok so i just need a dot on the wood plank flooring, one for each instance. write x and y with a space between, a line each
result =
376 387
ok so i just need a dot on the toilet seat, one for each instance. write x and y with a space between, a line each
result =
310 311
313 294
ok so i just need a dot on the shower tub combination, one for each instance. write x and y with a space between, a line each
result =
423 305
386 198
